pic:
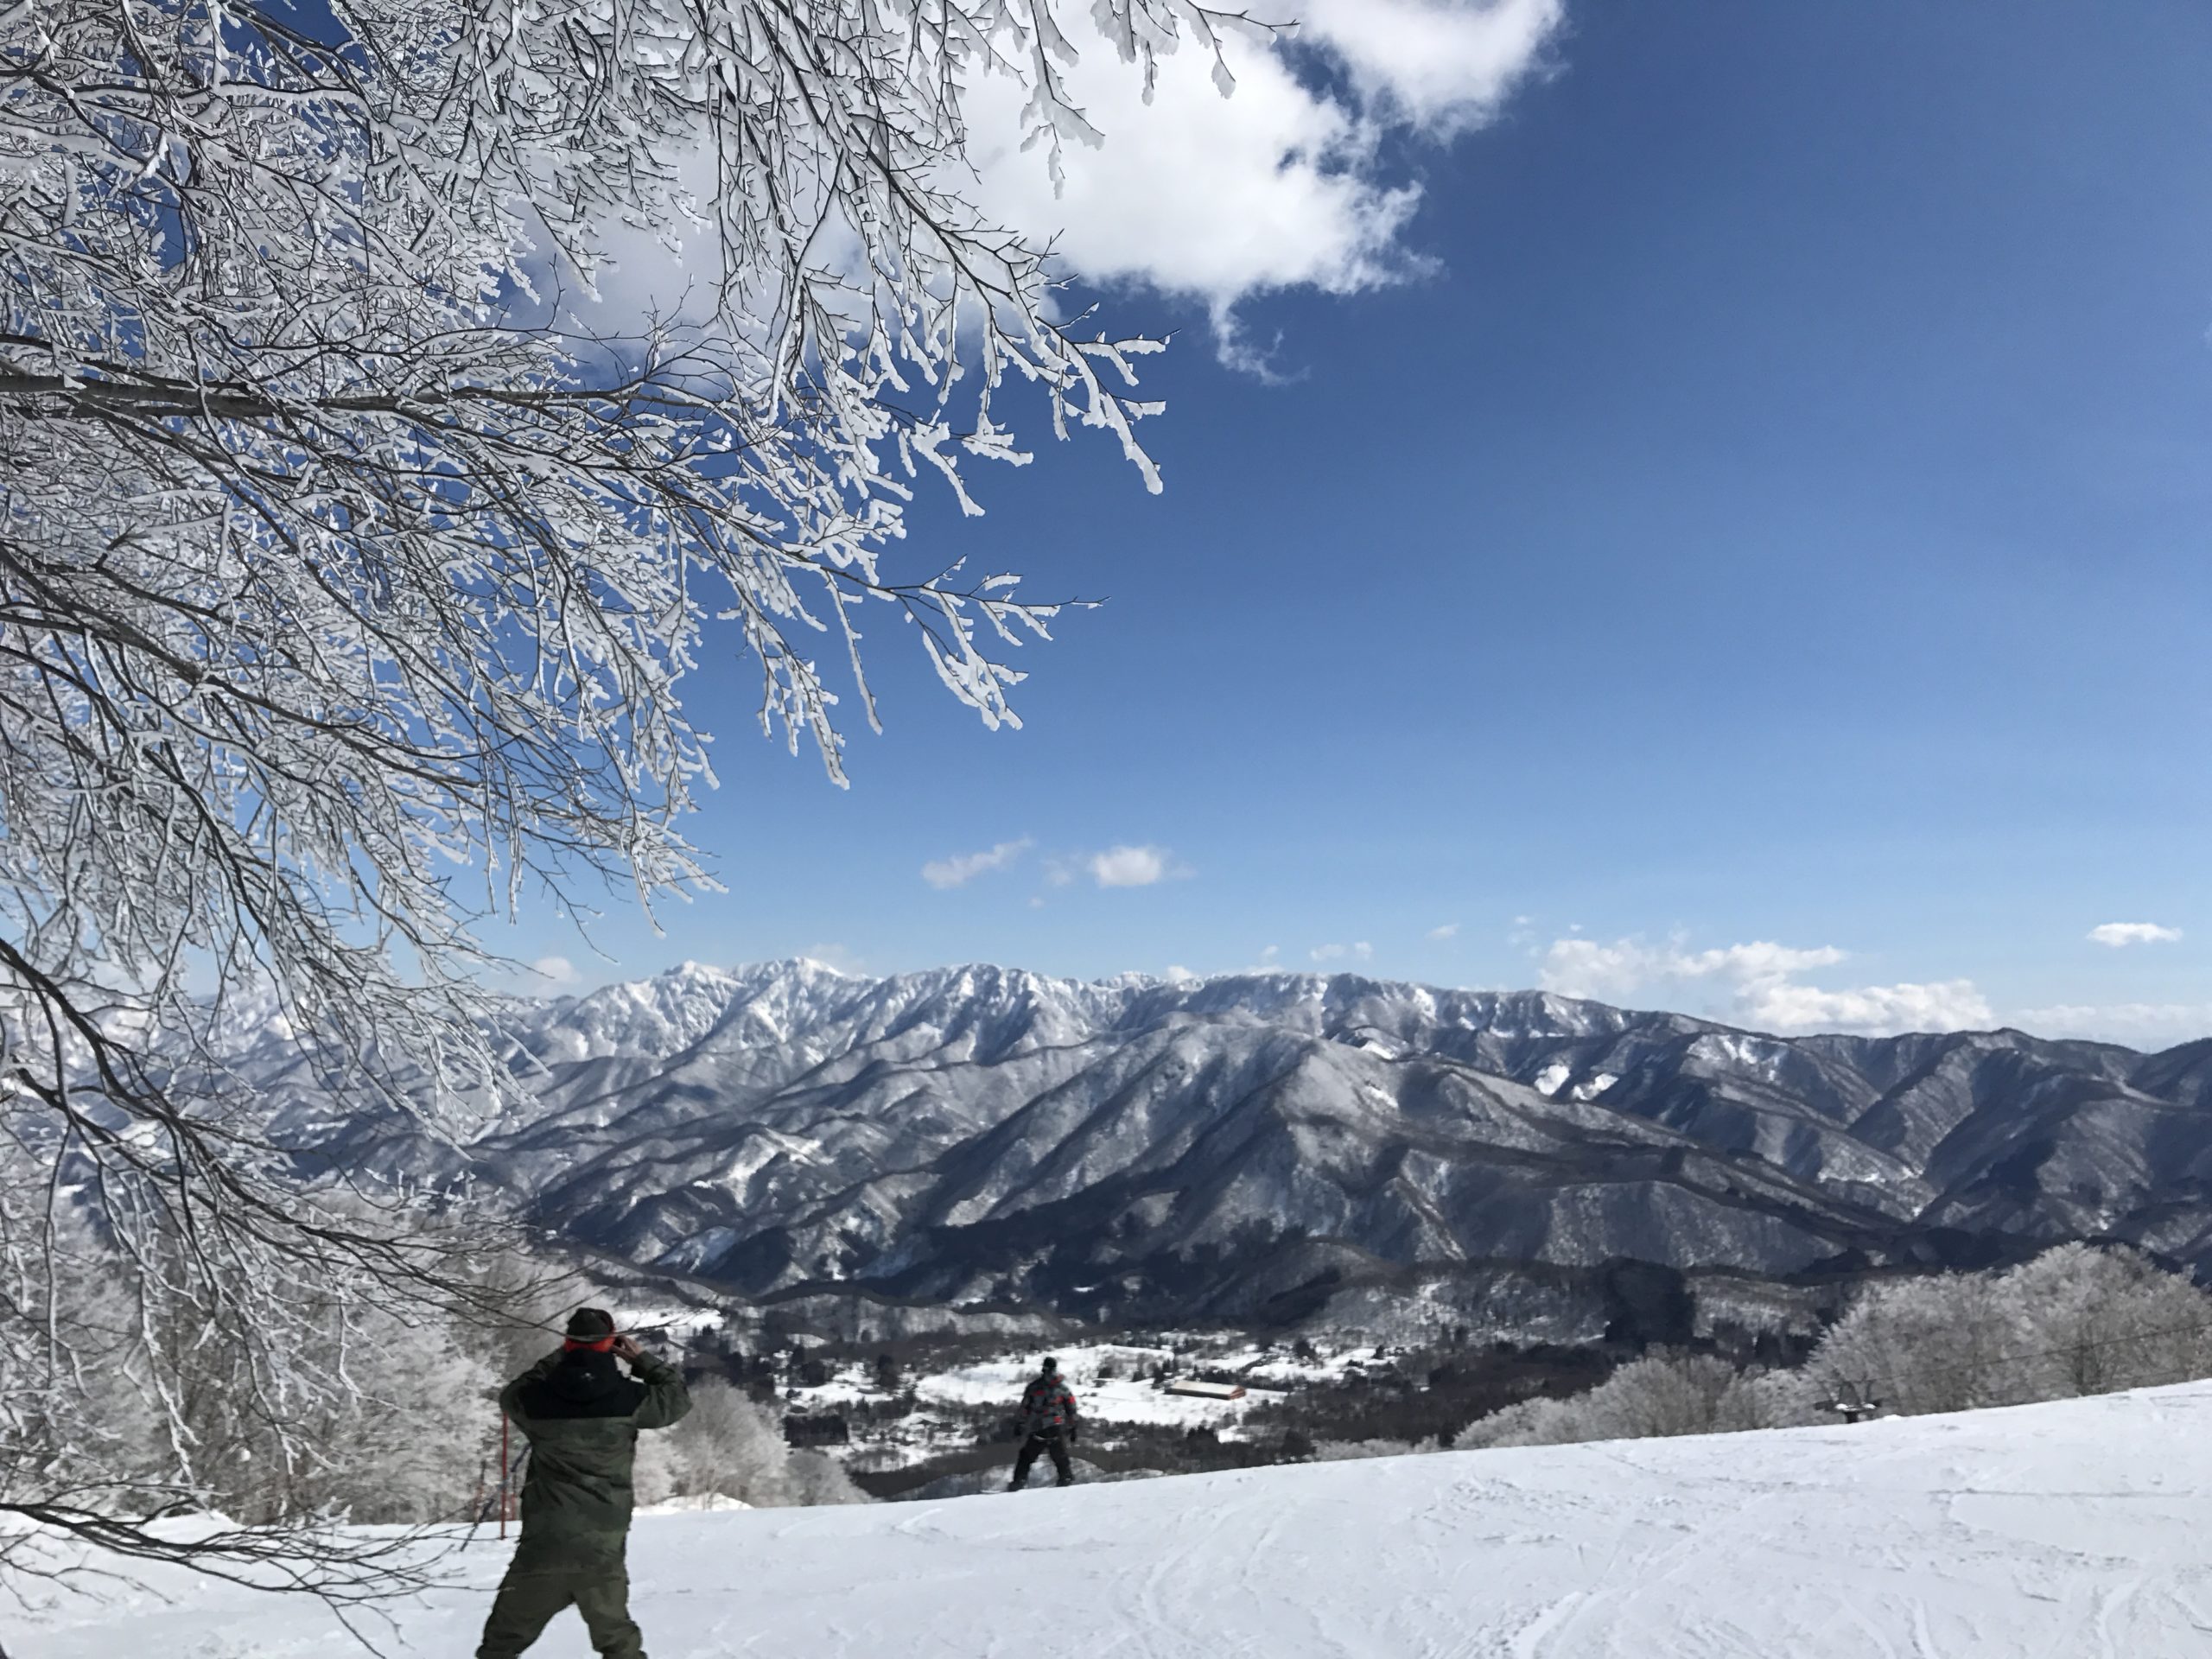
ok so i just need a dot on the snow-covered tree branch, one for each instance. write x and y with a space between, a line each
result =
349 577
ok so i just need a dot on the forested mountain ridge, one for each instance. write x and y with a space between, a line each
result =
1267 1147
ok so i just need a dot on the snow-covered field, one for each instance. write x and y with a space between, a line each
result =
1118 1399
2071 1531
1108 1391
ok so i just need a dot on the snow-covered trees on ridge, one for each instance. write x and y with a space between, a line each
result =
2076 1320
348 576
731 1447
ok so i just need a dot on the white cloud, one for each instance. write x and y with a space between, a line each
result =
1360 951
1447 931
557 970
1290 182
1945 1005
2138 1024
837 957
1442 65
1758 984
2117 934
1282 184
1590 968
1179 975
956 872
1131 867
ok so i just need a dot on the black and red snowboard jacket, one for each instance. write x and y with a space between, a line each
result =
1047 1408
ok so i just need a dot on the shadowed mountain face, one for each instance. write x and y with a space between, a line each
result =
1276 1147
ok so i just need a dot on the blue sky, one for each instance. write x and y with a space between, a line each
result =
1739 544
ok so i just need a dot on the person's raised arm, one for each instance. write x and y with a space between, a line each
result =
667 1397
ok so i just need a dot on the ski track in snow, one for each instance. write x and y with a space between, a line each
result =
2081 1530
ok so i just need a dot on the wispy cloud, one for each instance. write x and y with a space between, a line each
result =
1447 931
1360 951
837 957
1132 867
2137 1025
555 971
2117 934
1944 1005
1758 984
1593 968
957 872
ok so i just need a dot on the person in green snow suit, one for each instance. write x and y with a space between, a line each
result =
581 1415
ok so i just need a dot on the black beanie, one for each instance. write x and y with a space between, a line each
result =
590 1324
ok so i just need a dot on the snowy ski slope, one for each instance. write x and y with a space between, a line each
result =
2081 1530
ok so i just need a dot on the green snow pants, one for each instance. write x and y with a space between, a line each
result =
542 1580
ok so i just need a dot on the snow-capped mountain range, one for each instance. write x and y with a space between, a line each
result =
1275 1147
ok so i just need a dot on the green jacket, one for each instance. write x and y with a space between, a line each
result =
581 1416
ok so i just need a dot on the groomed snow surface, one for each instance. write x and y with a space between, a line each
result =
2070 1531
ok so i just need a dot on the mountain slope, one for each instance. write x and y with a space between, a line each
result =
1278 1146
2071 1529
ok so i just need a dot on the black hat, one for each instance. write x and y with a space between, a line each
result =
1050 1364
590 1324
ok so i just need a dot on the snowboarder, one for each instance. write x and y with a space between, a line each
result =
1048 1424
581 1415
